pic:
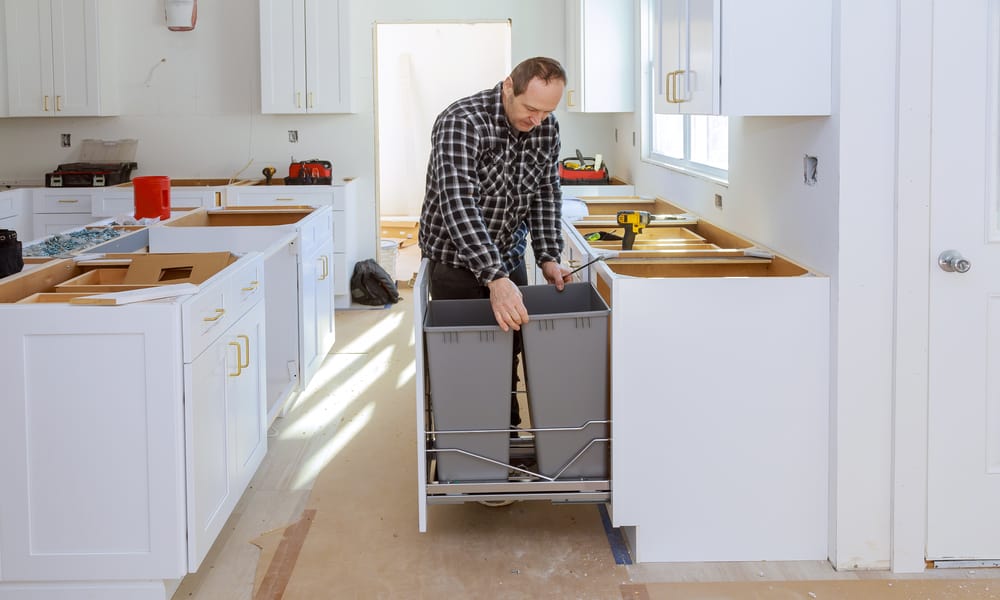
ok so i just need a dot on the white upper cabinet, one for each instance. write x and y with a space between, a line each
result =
599 56
59 58
738 58
304 56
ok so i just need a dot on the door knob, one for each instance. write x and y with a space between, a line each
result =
953 262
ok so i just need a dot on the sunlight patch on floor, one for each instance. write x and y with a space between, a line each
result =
318 461
373 335
406 375
335 401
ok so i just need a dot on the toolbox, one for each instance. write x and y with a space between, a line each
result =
583 170
310 172
102 163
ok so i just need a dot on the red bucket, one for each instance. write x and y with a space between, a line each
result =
152 197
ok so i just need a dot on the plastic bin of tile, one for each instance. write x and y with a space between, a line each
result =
469 368
566 373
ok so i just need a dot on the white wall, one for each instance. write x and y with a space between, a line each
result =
198 113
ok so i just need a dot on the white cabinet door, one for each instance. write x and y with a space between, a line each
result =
53 223
226 435
688 71
54 50
317 309
726 57
599 56
92 462
304 56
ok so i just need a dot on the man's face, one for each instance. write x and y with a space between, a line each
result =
529 109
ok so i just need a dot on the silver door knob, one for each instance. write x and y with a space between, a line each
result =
953 262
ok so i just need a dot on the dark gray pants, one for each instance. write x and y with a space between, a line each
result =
450 283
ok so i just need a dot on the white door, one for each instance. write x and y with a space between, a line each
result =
964 334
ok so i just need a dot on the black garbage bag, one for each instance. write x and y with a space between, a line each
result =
11 258
371 285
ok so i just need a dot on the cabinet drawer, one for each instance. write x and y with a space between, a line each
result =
187 198
316 231
246 287
205 318
113 204
62 201
283 195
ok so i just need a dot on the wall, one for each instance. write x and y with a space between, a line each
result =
192 99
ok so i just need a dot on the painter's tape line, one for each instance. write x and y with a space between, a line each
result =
619 549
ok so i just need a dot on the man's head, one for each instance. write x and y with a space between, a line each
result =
532 91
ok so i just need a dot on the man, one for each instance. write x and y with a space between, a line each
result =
492 179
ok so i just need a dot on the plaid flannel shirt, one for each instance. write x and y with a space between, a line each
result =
488 186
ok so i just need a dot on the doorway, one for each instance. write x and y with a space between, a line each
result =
420 69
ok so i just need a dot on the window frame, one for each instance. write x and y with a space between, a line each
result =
648 115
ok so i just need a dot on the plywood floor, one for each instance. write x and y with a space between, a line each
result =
332 513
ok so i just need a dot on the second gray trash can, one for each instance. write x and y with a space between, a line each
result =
469 361
566 375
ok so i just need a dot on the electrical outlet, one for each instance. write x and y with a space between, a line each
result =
64 140
293 136
718 201
810 170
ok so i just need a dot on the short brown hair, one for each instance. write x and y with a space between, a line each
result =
541 67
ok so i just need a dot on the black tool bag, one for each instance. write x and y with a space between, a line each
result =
11 259
371 285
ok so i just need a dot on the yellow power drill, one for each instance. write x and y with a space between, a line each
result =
633 221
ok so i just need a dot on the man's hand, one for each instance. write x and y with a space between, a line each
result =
508 306
556 274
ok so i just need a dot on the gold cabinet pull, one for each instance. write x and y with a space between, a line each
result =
239 359
672 96
246 339
68 201
45 103
298 99
569 99
310 103
218 315
284 199
58 103
326 267
253 286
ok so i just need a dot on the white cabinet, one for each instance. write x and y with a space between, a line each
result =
99 404
342 196
57 209
317 308
60 61
297 262
720 445
600 63
119 200
224 419
15 212
729 57
304 56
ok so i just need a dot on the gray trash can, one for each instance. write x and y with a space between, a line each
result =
469 366
566 375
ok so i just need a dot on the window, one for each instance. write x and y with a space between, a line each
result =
695 143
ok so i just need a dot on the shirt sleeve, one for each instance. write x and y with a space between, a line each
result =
546 211
454 149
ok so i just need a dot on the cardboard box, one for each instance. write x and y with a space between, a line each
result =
188 267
